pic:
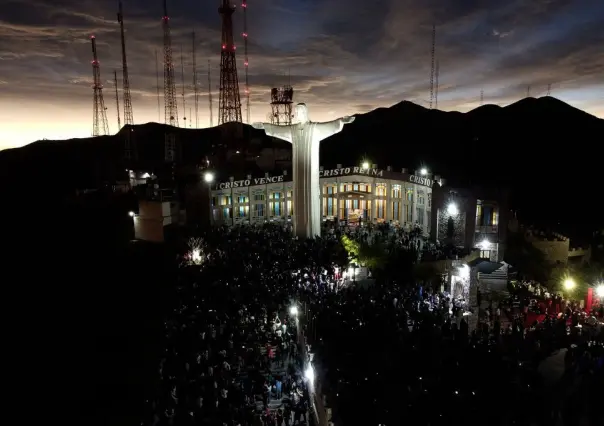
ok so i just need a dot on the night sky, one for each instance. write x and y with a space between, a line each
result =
345 56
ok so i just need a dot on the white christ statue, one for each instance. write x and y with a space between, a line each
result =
305 136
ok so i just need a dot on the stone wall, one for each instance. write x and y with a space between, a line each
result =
459 227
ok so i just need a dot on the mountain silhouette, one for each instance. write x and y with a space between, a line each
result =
540 148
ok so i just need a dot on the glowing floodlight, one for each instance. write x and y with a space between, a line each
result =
423 171
452 209
484 244
131 213
600 291
196 256
293 311
569 284
365 165
208 177
463 272
309 373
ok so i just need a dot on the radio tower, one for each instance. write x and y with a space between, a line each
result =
195 91
549 90
246 63
170 106
99 115
432 67
117 101
210 95
229 102
528 91
282 99
182 74
481 97
125 81
436 72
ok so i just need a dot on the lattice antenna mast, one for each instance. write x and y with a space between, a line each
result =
229 101
170 106
436 73
481 97
128 117
117 101
432 70
195 88
246 63
157 85
210 95
100 126
182 74
549 90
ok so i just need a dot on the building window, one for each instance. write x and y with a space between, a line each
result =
331 189
420 216
429 201
259 210
408 213
495 218
478 215
258 197
290 208
485 254
409 195
241 199
396 191
242 211
289 194
380 189
330 206
275 208
395 210
276 196
380 209
226 213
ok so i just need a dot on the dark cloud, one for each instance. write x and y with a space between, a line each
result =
341 56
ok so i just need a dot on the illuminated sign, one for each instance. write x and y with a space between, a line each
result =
344 171
247 182
421 180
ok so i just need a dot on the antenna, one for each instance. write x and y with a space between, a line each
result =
182 74
549 90
246 63
99 114
210 94
117 101
432 67
437 71
195 89
190 120
528 91
481 97
170 106
128 117
229 100
157 84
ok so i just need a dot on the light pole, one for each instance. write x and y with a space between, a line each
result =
208 178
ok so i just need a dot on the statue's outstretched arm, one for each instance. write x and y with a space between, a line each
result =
279 132
329 128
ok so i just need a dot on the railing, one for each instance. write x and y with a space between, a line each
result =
492 229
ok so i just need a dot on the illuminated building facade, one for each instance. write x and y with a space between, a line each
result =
471 218
354 195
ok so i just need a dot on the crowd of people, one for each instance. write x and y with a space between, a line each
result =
236 352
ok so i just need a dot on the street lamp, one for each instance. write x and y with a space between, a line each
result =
569 284
365 165
423 171
293 311
131 213
600 291
208 178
